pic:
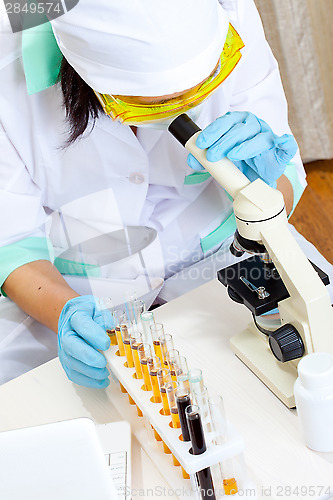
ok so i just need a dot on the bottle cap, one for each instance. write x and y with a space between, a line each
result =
316 370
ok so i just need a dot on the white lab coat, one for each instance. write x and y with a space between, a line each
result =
111 179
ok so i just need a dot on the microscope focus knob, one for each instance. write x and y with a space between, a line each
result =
286 343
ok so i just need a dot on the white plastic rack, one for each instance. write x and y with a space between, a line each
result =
214 454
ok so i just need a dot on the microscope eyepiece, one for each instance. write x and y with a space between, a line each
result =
183 128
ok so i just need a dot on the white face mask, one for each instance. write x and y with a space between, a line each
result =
193 113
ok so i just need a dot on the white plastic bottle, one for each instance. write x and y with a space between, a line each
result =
314 400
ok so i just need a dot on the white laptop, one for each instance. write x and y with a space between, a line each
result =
62 460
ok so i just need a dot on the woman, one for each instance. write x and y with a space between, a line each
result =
79 161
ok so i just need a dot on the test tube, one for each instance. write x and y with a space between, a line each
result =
147 319
182 377
195 379
135 308
156 330
119 317
166 344
175 423
154 365
104 304
164 379
219 425
129 296
136 341
204 476
112 335
200 398
144 354
173 363
171 389
183 400
126 328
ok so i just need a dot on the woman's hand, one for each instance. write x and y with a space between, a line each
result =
249 143
81 335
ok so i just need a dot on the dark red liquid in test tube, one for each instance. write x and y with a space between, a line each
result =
198 447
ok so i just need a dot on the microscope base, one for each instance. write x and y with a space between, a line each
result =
252 348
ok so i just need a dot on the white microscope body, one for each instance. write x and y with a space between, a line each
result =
261 217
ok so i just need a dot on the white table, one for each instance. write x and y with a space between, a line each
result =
201 322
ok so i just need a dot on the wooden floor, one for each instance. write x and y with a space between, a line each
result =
313 216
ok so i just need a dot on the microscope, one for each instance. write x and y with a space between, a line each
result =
277 274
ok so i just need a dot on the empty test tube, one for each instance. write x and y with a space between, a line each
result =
126 328
145 354
164 379
200 398
204 476
147 319
154 365
119 317
182 376
195 378
219 425
129 297
156 330
136 341
183 400
166 344
135 308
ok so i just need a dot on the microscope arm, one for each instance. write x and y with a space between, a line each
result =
309 307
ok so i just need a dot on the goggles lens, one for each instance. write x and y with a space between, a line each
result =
129 112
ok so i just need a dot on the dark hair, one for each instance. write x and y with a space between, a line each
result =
80 101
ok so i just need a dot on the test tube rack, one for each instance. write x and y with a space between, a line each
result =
214 454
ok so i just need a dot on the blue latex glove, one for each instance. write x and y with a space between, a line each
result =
81 331
249 143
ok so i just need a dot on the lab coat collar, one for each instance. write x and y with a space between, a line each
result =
41 58
144 141
148 138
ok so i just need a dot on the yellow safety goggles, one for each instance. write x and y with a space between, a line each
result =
129 112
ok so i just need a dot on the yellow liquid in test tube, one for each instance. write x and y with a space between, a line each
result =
147 383
112 336
230 486
165 403
157 349
128 353
136 360
120 341
175 374
154 384
175 418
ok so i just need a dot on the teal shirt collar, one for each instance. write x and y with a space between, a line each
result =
41 58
